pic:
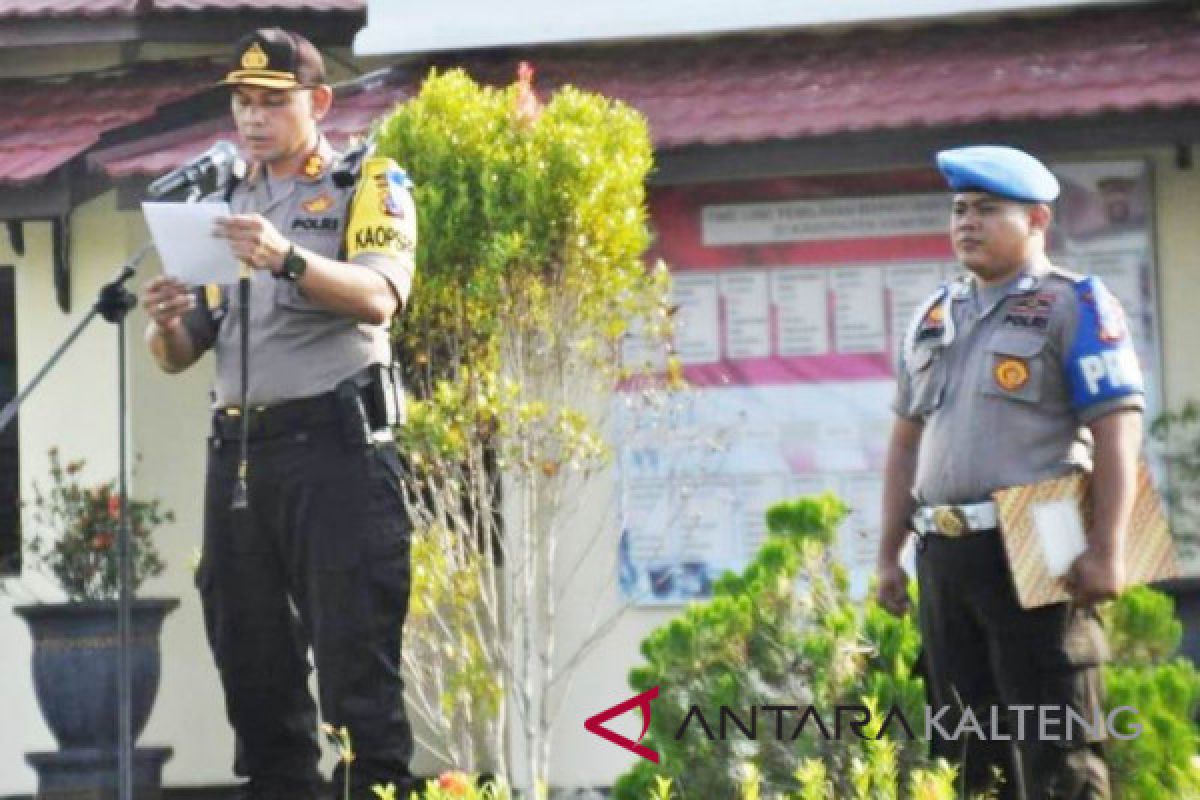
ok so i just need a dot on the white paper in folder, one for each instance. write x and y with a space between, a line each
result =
1060 530
183 236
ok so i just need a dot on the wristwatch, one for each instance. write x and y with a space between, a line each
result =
294 265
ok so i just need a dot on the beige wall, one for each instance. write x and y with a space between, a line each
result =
579 758
1178 209
75 409
34 298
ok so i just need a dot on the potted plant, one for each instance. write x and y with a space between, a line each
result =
72 539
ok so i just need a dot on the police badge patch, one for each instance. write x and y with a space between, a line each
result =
391 186
1109 313
931 320
933 324
1041 303
1032 311
319 204
1011 374
313 166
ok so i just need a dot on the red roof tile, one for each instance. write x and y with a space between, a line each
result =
102 8
85 8
48 122
354 110
743 89
259 5
799 85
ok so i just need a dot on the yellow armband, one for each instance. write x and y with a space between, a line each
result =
382 218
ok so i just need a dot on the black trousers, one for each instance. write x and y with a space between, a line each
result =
320 559
981 649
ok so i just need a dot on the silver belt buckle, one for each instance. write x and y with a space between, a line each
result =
950 521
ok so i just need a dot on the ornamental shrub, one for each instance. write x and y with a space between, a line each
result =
785 632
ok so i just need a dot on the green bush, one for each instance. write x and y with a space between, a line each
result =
1142 628
784 631
1165 690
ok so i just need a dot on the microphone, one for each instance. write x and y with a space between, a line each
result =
218 157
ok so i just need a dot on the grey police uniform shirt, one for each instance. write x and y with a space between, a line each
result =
297 348
1004 391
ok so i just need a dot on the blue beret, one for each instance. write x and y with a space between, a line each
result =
1003 171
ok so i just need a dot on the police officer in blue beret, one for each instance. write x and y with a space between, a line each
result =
1015 373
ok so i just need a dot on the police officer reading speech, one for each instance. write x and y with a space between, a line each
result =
305 539
1017 372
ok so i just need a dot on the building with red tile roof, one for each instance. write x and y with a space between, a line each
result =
811 86
753 120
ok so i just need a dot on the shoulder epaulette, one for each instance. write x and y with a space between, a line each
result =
933 312
348 168
1066 274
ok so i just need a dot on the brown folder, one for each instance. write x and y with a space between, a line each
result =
1149 547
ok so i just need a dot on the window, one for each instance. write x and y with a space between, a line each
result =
10 540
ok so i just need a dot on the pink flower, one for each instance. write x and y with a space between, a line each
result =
114 506
529 108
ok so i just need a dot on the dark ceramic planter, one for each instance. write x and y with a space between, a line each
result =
75 679
75 667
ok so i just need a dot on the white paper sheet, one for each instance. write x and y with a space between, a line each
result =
801 298
186 246
859 322
747 310
697 323
1059 528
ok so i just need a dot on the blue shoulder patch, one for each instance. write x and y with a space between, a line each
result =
398 177
397 185
1101 364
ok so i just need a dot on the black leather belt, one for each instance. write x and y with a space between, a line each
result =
267 422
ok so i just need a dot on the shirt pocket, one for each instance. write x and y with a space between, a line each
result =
325 240
926 379
1016 366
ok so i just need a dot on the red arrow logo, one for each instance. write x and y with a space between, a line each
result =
642 702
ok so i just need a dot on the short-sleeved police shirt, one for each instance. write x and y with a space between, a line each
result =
1004 392
297 348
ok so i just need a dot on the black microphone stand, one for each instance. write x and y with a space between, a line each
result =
113 303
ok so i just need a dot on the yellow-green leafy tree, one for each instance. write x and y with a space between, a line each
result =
530 274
